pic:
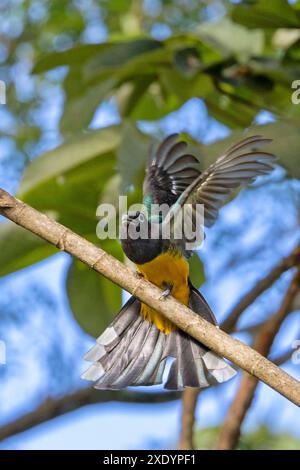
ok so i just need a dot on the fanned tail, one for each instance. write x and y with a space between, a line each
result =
133 352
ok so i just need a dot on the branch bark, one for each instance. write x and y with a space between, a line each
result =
190 396
231 429
189 403
184 318
261 286
53 407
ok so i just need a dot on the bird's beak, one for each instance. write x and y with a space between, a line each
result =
128 218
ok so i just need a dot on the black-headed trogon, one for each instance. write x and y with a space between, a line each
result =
134 349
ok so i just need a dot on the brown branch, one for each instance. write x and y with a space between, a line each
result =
261 286
231 429
189 403
53 407
190 396
184 318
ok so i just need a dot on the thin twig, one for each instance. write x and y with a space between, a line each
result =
184 318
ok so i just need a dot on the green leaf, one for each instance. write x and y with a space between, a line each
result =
233 38
132 154
65 183
293 52
83 107
197 274
95 58
93 299
130 94
119 54
230 111
266 14
20 248
181 88
117 6
68 156
74 56
154 104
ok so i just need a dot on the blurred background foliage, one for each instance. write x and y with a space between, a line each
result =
261 439
91 84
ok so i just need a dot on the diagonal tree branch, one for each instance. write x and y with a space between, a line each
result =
231 429
189 404
203 331
190 396
261 286
53 407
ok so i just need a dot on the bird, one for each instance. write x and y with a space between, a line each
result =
141 347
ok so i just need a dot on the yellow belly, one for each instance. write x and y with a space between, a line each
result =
167 268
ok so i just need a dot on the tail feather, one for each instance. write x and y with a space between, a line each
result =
133 352
198 352
141 354
117 363
184 371
110 338
133 345
152 360
157 377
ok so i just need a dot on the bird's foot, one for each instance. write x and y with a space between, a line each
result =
139 275
166 292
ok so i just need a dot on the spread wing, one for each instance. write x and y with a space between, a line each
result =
239 166
170 171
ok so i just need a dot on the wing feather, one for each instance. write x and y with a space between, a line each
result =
169 171
239 166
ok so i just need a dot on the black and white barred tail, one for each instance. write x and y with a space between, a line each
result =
133 352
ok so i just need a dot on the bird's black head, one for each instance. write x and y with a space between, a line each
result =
140 240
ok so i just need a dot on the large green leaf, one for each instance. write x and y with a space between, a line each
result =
20 248
233 38
197 274
67 184
132 154
79 110
106 55
153 104
74 56
179 88
120 54
266 14
73 153
69 180
230 111
94 300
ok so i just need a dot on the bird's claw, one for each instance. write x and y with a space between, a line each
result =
166 292
139 275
